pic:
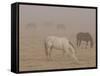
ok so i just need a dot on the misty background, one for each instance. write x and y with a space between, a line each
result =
38 22
55 20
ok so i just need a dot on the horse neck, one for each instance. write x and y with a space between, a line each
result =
72 46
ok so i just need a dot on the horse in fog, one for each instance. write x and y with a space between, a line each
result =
86 37
59 43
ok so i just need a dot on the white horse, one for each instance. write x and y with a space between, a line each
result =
59 43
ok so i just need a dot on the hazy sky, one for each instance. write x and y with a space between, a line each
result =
75 19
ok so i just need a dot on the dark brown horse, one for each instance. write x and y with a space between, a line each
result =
84 37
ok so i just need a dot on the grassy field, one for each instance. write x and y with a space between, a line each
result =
32 54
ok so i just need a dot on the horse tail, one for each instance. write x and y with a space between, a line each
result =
46 48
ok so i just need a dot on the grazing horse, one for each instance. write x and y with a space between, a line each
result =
59 43
84 37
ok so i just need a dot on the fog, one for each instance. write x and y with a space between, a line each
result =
38 22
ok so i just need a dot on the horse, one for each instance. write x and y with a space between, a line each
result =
59 43
84 37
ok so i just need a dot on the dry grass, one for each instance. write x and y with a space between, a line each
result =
32 56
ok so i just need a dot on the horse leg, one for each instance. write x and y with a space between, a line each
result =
47 48
86 44
50 51
79 43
